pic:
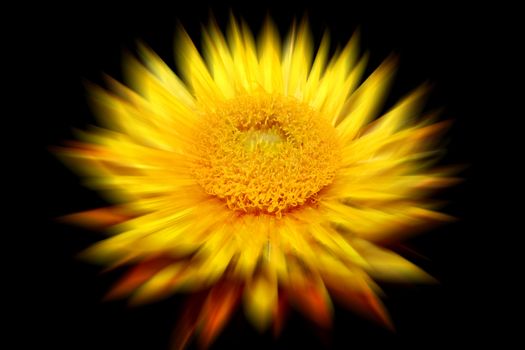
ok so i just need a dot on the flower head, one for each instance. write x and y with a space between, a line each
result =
264 176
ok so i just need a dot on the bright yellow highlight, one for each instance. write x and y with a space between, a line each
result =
267 175
265 154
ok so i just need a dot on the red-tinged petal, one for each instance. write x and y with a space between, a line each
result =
188 322
138 275
280 313
218 307
360 297
98 218
313 300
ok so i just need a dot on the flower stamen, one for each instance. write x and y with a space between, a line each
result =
265 153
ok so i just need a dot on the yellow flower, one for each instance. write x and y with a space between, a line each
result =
264 176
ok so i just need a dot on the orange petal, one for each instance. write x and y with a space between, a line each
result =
360 297
138 275
313 300
98 218
218 307
188 322
280 313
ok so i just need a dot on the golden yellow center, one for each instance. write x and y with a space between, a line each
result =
265 154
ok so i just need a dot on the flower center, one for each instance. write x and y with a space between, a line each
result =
265 154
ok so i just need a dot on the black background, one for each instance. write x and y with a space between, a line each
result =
443 44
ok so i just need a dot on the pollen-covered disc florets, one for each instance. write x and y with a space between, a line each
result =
265 153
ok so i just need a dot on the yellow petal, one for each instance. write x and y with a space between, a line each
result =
196 73
220 60
244 56
165 76
260 300
157 287
366 102
386 265
336 243
315 75
297 59
338 81
269 52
